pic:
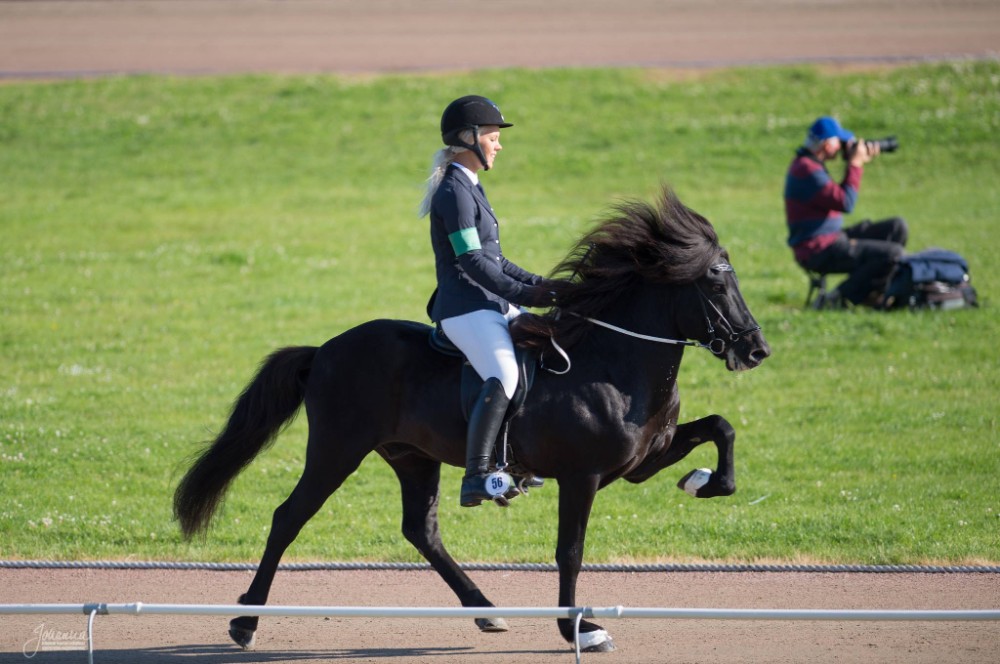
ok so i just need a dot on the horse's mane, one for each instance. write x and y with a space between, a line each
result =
636 242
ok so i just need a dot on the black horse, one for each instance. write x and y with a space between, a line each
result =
640 283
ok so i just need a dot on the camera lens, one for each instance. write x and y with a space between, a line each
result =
888 144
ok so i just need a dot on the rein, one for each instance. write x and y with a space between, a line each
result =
716 344
629 333
646 337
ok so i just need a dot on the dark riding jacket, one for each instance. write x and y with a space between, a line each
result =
472 273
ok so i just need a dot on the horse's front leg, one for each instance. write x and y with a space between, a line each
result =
690 435
576 497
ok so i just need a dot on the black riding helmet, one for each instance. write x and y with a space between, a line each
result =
470 112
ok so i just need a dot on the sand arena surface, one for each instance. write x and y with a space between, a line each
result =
43 39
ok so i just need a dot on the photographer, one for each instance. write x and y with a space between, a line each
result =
814 207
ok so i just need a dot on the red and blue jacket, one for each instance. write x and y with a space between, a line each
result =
814 203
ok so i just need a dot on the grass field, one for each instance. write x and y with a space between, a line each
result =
161 235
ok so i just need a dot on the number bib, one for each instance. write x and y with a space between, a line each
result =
498 483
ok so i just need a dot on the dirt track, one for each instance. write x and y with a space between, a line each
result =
56 39
44 38
169 639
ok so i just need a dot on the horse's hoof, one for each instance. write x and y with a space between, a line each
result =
596 641
491 624
607 646
703 483
694 481
244 638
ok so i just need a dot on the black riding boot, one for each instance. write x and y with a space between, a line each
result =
485 420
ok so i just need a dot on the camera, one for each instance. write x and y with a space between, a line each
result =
887 144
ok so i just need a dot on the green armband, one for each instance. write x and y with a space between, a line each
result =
465 240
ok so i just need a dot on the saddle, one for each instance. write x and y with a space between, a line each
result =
527 364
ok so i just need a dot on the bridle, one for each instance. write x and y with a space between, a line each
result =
716 344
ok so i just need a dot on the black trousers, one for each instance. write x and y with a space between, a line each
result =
866 252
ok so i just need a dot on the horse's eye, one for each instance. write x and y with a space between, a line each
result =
719 288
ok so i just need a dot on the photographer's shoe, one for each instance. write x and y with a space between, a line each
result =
829 300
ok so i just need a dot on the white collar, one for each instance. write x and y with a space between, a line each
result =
473 177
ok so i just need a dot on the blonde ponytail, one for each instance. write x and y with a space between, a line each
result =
442 159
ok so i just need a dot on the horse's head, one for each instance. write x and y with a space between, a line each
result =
715 313
669 251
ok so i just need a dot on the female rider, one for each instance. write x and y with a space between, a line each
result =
477 288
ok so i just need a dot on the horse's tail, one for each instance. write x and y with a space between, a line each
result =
267 405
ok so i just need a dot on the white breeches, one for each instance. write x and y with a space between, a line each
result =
484 337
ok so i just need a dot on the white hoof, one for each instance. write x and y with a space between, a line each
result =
596 641
695 480
492 624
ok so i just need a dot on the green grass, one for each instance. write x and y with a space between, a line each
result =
161 235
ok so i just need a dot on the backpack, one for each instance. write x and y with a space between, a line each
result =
930 279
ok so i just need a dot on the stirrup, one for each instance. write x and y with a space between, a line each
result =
530 482
521 484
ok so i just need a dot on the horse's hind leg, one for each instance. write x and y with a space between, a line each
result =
419 480
321 477
690 435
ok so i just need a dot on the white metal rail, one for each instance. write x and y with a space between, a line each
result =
574 613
